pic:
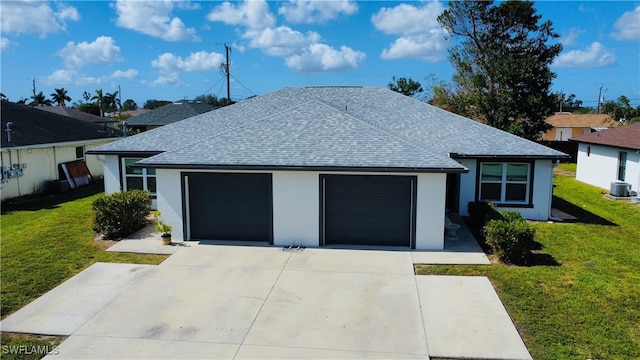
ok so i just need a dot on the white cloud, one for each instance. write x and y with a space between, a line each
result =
70 77
570 37
4 43
628 26
154 18
306 11
595 56
35 17
171 65
103 51
281 41
421 47
127 75
420 34
252 14
321 57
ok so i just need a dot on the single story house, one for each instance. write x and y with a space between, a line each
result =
168 114
320 166
76 114
567 125
608 156
35 143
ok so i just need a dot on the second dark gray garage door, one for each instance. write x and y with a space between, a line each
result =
230 206
367 210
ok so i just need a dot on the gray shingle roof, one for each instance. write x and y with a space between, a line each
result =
327 127
169 113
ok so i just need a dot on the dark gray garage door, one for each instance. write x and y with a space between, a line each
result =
230 206
367 210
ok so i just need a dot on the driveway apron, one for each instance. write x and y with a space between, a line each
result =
216 301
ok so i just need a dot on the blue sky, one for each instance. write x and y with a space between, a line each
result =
173 50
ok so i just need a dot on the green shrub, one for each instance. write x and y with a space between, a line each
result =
121 214
511 216
482 212
512 241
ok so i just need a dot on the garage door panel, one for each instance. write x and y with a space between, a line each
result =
368 210
230 206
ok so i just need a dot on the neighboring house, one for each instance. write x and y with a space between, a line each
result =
167 114
567 125
72 113
35 143
329 165
609 156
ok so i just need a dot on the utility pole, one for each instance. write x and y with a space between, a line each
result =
226 70
119 97
34 89
599 97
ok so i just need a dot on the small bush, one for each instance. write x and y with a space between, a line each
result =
511 216
512 241
121 214
481 212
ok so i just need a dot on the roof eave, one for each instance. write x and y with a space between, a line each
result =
508 157
306 168
124 153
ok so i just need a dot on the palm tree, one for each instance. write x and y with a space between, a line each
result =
111 101
100 98
39 100
60 97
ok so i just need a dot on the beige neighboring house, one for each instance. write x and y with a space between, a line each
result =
40 147
568 125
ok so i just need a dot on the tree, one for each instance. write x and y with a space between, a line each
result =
99 97
111 102
502 63
39 100
154 104
567 103
128 105
621 110
60 97
408 87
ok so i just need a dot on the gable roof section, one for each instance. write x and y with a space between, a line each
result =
312 134
169 113
626 136
582 121
35 127
327 126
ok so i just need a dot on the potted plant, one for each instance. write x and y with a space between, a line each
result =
165 230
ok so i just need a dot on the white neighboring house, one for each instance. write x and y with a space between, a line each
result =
611 155
329 166
35 143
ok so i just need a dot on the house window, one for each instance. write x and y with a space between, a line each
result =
80 152
138 178
505 183
622 165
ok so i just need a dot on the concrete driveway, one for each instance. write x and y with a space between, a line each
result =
247 302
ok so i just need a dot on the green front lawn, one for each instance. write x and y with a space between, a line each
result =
585 301
45 242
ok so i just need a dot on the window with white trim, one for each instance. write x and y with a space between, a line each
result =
622 165
505 183
138 178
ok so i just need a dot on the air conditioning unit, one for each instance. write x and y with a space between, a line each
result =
620 189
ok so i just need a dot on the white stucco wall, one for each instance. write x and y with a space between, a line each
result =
542 190
296 196
599 166
42 165
111 174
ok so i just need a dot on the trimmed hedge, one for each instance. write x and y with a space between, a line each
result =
121 214
511 238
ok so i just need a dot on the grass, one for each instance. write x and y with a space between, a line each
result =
586 303
45 241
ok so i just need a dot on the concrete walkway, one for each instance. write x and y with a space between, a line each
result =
217 301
